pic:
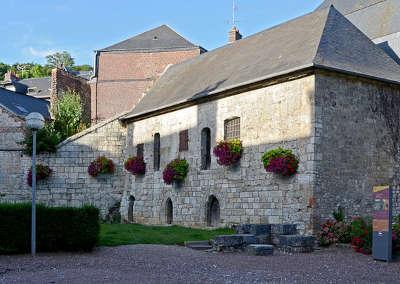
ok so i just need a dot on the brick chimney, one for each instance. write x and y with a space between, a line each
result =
10 76
234 35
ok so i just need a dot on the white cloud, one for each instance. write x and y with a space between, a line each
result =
39 53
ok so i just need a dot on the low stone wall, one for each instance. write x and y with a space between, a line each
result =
70 184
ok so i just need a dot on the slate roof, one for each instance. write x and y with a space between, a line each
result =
323 39
22 105
37 87
376 18
162 38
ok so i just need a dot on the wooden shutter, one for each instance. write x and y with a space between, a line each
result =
156 153
205 148
139 150
184 140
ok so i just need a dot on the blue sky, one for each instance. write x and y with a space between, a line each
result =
31 29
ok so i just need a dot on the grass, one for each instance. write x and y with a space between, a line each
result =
130 234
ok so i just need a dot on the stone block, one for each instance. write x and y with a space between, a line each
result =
296 241
258 249
238 241
283 229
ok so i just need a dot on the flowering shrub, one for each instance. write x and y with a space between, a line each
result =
42 172
101 165
176 171
333 232
280 161
228 152
135 165
361 235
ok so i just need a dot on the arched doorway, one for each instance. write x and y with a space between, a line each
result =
213 212
169 211
130 208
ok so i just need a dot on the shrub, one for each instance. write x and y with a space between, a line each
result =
228 152
176 171
58 229
42 173
333 232
101 165
280 161
135 165
67 114
361 235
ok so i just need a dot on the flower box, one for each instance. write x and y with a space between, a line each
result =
176 171
135 165
229 152
42 172
280 161
101 165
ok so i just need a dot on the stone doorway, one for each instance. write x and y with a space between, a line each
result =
213 212
130 208
169 211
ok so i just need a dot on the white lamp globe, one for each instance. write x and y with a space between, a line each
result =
34 121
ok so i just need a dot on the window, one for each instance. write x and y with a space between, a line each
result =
139 150
205 148
232 128
157 152
184 140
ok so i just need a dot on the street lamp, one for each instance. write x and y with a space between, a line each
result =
34 121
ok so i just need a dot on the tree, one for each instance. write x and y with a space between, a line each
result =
84 67
60 60
3 70
67 111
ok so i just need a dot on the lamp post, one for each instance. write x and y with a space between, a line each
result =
34 121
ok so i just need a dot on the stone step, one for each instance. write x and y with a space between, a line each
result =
234 242
281 229
199 245
260 249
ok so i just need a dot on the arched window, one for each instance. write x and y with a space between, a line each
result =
213 212
169 211
130 208
157 152
205 148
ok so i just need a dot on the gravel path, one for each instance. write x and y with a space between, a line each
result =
172 264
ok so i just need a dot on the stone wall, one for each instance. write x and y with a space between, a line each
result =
353 144
69 184
123 77
12 165
278 115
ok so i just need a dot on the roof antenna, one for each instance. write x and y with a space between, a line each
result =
234 9
234 34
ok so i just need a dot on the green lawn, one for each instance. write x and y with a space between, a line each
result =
128 234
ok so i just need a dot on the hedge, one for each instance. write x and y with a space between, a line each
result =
58 228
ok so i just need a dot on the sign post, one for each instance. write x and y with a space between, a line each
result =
382 223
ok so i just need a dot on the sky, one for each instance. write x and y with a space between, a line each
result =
32 29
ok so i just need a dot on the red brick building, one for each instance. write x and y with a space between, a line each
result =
124 71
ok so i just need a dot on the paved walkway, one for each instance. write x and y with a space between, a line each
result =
170 264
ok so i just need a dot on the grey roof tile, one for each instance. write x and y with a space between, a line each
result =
159 39
22 105
324 38
37 87
376 18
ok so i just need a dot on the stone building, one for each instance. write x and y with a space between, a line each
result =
312 85
316 85
13 109
124 71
